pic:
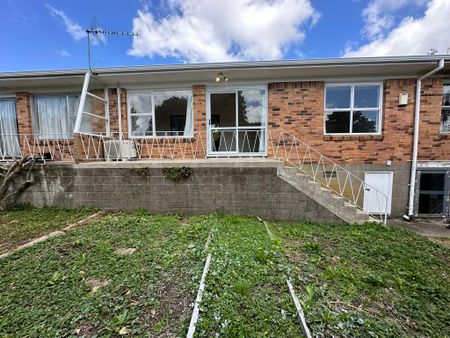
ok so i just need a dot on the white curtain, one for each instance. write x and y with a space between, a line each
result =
189 126
55 116
9 138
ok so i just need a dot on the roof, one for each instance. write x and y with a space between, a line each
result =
286 70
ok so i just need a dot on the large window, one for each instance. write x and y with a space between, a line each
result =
445 115
54 116
157 113
353 109
9 138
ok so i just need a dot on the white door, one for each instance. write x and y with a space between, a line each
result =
237 121
374 201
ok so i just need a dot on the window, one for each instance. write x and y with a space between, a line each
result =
9 138
160 113
54 116
445 113
431 192
352 109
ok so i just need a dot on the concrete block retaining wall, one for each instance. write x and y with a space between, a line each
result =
254 190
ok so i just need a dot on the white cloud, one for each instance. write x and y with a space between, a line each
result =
73 28
380 15
412 35
204 30
63 53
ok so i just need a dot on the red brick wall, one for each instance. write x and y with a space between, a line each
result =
299 108
433 145
23 107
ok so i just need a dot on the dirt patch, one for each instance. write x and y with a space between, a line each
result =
96 284
125 251
174 303
83 222
440 240
85 331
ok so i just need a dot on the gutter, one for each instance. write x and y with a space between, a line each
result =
228 66
412 184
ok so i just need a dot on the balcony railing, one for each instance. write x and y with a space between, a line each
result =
280 145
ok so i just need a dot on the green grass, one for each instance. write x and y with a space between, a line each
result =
246 293
369 280
20 225
353 281
43 292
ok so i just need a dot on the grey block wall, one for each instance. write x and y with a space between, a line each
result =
254 191
400 189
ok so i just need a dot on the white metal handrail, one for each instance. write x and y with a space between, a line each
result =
286 147
120 146
46 147
281 145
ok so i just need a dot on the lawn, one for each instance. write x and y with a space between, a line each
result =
20 225
352 280
369 280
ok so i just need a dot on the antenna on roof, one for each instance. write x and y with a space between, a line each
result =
97 33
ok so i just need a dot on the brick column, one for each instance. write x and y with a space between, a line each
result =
113 110
199 111
24 124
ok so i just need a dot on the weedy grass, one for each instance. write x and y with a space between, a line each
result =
24 223
352 280
44 291
369 280
246 293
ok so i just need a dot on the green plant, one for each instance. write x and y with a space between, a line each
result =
178 174
142 172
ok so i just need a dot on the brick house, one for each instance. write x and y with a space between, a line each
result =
382 122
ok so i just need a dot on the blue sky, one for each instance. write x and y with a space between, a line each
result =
49 34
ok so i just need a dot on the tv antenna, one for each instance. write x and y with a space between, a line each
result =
96 33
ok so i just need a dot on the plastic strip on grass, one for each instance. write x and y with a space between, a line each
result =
298 306
301 315
195 313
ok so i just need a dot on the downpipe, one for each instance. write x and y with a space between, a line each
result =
412 183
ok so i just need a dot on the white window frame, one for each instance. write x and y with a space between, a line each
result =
351 109
230 89
441 130
34 112
152 91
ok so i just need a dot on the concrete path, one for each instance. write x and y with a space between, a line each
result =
426 227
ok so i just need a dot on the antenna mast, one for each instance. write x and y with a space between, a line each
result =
96 32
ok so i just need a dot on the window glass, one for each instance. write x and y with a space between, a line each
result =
161 113
251 107
54 116
338 122
366 96
141 114
365 121
141 125
445 114
445 120
338 97
446 96
352 109
9 138
431 192
171 112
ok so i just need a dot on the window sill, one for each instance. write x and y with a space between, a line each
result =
353 137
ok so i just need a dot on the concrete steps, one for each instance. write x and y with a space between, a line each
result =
338 205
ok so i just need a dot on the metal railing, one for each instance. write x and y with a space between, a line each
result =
47 147
280 145
288 148
120 146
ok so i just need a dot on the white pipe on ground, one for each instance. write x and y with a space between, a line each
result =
412 184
